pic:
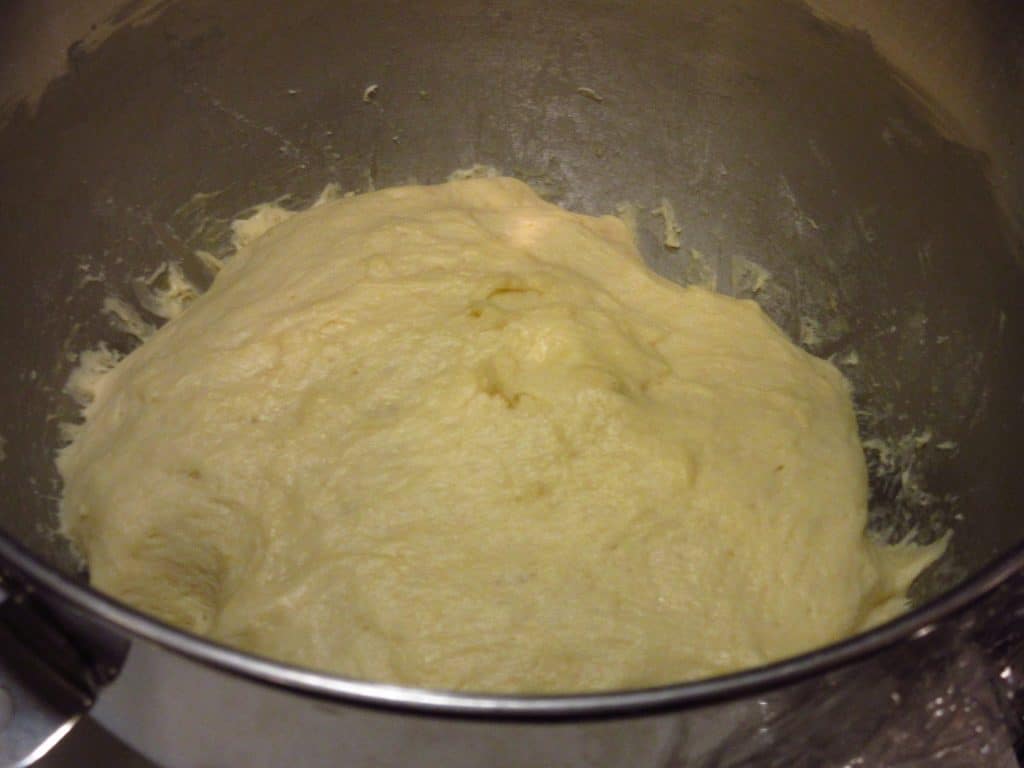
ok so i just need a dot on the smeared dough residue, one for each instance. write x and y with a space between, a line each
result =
672 230
127 319
166 292
590 93
474 171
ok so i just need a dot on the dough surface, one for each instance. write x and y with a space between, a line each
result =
457 437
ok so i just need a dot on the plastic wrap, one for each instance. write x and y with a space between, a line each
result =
950 696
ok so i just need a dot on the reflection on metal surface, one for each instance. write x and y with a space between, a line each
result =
954 55
44 41
6 708
38 704
89 744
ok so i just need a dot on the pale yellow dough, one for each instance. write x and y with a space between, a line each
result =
457 437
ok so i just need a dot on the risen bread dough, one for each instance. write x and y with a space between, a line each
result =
455 436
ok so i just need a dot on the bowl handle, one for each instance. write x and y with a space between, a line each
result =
45 687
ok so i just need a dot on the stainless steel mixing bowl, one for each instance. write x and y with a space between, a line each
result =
868 155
